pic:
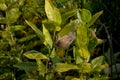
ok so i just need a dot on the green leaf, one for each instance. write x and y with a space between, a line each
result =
84 53
41 67
3 20
52 12
85 15
76 55
3 6
12 15
82 36
35 54
67 15
16 28
27 38
100 67
48 40
92 40
50 25
97 61
37 31
70 27
85 67
62 67
94 18
26 66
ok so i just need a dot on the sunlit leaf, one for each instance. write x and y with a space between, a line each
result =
26 66
100 67
35 54
62 67
12 15
82 36
41 67
85 67
84 53
52 12
16 28
37 31
70 27
94 18
3 6
97 61
76 55
48 40
85 15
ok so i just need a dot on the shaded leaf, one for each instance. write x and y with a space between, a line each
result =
26 66
2 20
94 18
37 31
27 38
12 15
97 61
67 15
62 67
50 25
35 54
52 12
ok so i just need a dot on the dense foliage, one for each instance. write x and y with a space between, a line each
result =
49 40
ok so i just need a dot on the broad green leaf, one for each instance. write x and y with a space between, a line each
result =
26 66
41 67
35 54
82 36
70 27
16 28
37 31
12 15
48 40
3 20
97 61
92 40
3 6
77 57
62 67
94 18
67 15
85 15
53 53
27 38
85 67
100 68
50 25
84 53
52 12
